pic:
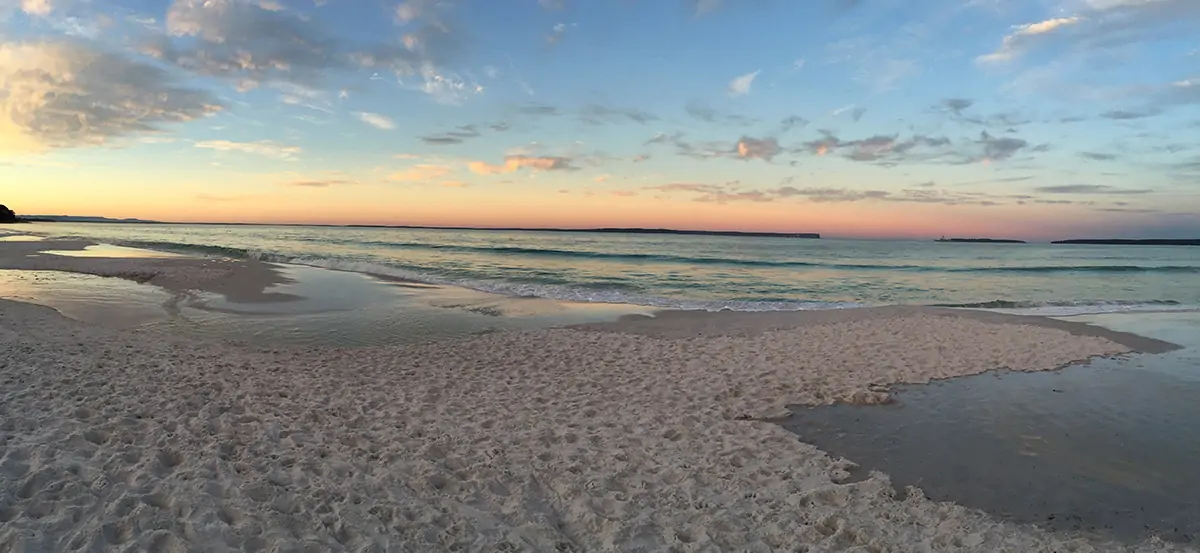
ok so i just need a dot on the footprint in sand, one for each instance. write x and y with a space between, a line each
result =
158 500
116 533
168 459
258 493
34 483
229 516
165 542
96 436
13 467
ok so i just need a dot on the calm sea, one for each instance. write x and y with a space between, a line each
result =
704 272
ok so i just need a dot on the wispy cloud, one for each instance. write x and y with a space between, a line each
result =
458 135
37 7
704 112
880 64
733 192
956 105
596 114
423 172
1025 36
248 43
61 94
556 33
317 183
1122 115
856 113
686 187
376 120
1090 189
886 150
1099 24
757 148
740 86
997 148
536 109
792 122
265 148
515 163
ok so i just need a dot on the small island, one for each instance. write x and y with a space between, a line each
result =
982 240
1133 242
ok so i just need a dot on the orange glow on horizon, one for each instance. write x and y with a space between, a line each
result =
849 220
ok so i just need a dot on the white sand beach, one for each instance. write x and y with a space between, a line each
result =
639 435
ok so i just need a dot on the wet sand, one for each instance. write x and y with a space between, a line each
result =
1108 448
638 435
243 280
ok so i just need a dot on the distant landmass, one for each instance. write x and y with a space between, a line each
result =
812 235
983 240
95 219
81 219
1134 242
8 216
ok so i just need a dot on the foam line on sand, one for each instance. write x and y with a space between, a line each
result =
546 440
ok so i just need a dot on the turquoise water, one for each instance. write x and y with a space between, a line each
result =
707 272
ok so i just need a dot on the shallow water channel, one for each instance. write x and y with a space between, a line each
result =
1112 447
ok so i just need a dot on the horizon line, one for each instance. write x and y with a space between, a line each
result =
93 219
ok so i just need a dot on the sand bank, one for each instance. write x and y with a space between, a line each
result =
577 439
243 280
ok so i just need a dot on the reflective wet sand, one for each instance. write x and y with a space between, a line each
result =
1109 447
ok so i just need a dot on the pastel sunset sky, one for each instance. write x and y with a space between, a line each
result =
1024 118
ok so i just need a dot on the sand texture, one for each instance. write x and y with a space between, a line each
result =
588 439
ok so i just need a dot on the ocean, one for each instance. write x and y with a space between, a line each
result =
708 272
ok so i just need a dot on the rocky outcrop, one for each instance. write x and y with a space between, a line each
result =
7 215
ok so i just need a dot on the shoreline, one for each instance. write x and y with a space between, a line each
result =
681 324
595 437
643 433
247 280
235 258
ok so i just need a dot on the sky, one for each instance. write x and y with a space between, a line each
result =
854 118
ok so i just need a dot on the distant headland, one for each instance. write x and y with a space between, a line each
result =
1133 242
8 216
81 219
812 235
982 240
608 230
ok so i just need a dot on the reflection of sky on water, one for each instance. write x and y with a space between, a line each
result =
351 309
334 308
109 250
715 268
108 301
1108 447
20 238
